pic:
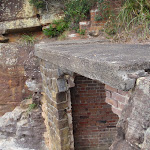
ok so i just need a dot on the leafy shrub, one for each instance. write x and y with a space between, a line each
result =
37 3
104 10
81 32
56 28
77 10
110 28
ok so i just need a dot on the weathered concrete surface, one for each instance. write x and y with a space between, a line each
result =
17 64
134 124
20 14
111 64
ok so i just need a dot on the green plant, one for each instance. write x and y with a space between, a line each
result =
135 14
81 32
38 3
31 107
110 29
28 39
110 26
98 18
104 10
56 28
63 36
77 10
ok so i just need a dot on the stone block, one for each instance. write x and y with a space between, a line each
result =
60 114
62 85
55 85
60 124
61 97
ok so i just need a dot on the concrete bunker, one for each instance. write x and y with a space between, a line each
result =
120 81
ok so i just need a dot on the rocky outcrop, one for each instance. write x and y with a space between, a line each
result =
134 124
22 128
17 64
20 14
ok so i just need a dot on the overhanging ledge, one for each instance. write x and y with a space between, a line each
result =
108 63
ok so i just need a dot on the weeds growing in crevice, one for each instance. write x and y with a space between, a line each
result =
56 28
31 107
28 39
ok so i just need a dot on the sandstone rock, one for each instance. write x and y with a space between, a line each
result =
94 33
146 143
22 129
9 144
17 64
25 103
133 126
24 15
3 39
33 85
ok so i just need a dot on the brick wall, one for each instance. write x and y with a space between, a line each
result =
117 99
93 120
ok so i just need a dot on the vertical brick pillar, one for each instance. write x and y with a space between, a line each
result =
57 107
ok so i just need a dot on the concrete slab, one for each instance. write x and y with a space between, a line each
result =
108 63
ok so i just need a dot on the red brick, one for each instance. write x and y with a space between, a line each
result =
109 88
91 113
121 106
111 102
108 94
118 97
116 111
124 93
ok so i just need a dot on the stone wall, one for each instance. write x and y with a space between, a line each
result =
133 126
57 107
132 107
94 122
